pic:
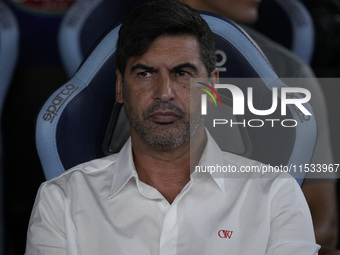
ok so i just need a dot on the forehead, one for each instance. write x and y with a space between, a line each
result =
170 50
174 41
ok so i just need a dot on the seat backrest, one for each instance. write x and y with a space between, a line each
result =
74 125
289 23
84 24
9 50
39 22
87 21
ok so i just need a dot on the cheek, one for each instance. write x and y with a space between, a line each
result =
137 99
191 99
134 93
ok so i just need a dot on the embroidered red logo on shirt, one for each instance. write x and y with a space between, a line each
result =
225 233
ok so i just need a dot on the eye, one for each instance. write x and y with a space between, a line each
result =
144 74
182 73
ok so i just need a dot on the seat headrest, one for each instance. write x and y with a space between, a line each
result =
85 24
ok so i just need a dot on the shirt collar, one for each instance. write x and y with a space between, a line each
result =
212 156
125 168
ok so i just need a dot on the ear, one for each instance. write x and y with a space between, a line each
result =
119 87
214 77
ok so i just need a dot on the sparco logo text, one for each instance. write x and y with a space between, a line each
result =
58 101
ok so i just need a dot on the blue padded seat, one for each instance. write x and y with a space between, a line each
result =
84 24
75 120
289 23
9 51
285 21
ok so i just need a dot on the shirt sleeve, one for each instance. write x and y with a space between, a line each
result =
291 228
46 231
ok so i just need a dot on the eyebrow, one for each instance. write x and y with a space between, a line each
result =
141 66
176 68
186 65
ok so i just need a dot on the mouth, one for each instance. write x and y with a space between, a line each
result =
164 117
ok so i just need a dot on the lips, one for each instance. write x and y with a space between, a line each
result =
164 117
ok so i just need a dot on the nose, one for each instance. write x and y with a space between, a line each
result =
165 89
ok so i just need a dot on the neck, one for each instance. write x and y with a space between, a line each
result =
168 171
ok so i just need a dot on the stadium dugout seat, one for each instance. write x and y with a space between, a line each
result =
81 120
285 21
289 23
84 25
9 50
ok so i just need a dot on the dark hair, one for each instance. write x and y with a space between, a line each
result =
147 22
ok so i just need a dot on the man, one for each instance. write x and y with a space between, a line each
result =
319 192
146 199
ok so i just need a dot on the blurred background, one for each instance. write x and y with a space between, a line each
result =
37 74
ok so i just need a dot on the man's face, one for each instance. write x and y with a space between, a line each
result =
155 90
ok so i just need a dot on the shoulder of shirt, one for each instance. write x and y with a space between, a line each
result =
96 167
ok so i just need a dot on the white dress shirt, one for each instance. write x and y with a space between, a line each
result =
101 208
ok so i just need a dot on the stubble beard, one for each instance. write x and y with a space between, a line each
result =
163 136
